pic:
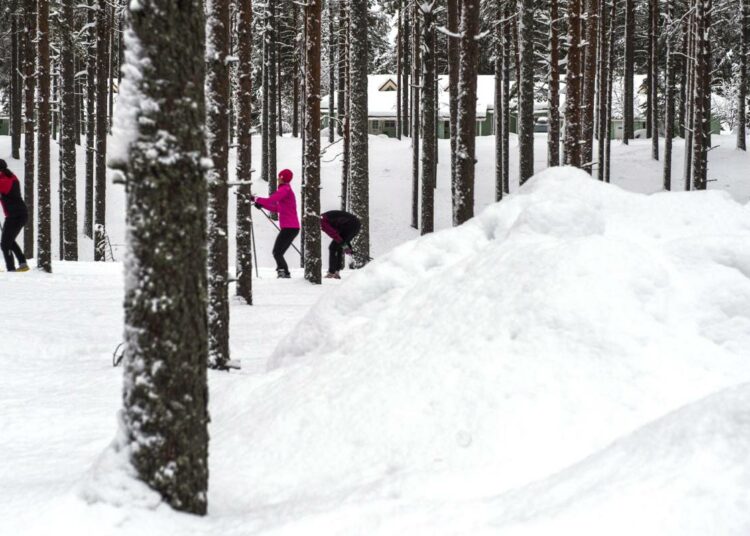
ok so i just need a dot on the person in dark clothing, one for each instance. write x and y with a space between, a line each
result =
16 215
342 227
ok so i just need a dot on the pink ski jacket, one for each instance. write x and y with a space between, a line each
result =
284 202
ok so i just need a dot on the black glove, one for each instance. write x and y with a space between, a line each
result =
257 205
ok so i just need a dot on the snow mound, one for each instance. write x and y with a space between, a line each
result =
477 360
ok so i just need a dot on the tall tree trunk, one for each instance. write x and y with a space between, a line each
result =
742 93
68 210
689 102
341 66
527 14
628 95
331 71
702 73
610 83
588 96
463 201
29 156
88 216
399 67
428 104
602 87
346 102
311 192
244 151
102 124
572 109
15 85
654 79
669 94
271 37
44 207
415 117
359 174
406 77
217 134
506 98
264 98
553 136
295 90
165 416
111 67
453 68
498 117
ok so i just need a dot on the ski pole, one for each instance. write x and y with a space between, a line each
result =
277 228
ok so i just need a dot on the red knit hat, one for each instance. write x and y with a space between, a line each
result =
286 175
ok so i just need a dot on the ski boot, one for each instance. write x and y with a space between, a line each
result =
283 274
23 268
334 275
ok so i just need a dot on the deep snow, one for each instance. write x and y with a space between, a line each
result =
574 360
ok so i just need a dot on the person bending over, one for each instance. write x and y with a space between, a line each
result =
342 227
16 215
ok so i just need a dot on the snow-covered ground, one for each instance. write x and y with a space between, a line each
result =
574 360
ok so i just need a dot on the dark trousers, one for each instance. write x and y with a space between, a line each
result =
283 241
336 251
11 228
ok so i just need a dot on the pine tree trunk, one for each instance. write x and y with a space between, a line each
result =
574 78
55 97
683 68
526 94
15 84
689 102
463 201
88 217
602 86
742 93
627 125
341 65
498 117
347 102
610 83
295 90
217 137
311 191
165 416
44 207
669 94
506 99
331 71
654 79
589 85
359 178
102 124
553 136
406 77
68 210
271 37
415 117
702 72
244 151
399 67
429 100
111 67
29 153
453 68
264 99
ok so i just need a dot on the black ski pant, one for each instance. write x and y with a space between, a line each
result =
336 250
11 228
283 241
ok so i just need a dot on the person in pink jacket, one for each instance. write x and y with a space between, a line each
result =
284 202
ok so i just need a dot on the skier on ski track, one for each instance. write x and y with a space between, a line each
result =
284 202
16 215
342 227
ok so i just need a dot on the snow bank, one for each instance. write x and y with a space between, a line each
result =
474 361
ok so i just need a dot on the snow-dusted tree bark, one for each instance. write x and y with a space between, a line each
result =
463 199
29 156
88 209
244 150
161 111
669 94
742 93
264 97
217 134
15 85
610 83
573 83
415 115
588 93
689 102
405 78
68 210
453 18
359 174
341 65
102 124
331 70
399 66
429 101
296 76
602 87
553 134
653 76
44 206
311 190
506 99
271 65
702 74
526 11
627 125
498 117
